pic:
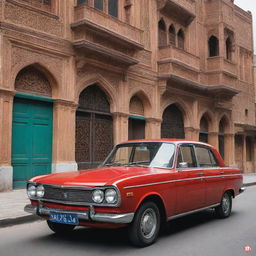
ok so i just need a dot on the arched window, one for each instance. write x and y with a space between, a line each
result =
203 136
172 125
172 35
228 48
162 39
213 44
181 39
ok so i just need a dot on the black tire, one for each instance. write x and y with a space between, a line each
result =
59 228
225 207
145 227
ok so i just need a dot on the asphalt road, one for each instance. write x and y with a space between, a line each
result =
197 235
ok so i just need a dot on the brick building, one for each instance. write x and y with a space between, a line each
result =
78 76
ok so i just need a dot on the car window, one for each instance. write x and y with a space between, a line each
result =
186 155
205 157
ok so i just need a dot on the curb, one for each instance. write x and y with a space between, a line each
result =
249 184
18 220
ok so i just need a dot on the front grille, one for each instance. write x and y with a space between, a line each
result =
67 194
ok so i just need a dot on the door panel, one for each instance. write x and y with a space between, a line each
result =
31 140
83 140
191 192
94 139
215 184
136 129
103 137
213 179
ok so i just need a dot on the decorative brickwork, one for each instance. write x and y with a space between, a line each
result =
31 80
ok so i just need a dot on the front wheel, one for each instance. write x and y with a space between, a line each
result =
225 207
144 229
59 228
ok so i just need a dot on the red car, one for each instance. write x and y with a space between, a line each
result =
142 184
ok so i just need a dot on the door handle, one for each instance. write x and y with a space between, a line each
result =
222 172
200 173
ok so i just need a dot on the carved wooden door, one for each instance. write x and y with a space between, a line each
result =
172 125
94 128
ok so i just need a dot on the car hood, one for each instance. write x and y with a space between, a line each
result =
95 177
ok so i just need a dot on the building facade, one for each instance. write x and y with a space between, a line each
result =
78 76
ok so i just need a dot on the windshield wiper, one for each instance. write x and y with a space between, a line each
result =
113 164
138 163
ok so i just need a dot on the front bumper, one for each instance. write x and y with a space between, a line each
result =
90 215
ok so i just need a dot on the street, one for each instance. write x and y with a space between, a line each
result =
196 235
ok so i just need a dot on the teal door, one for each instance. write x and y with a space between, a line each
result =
31 140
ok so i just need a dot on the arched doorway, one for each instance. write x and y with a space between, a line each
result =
203 135
136 120
32 126
94 128
173 124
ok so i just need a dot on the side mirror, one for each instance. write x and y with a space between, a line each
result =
183 165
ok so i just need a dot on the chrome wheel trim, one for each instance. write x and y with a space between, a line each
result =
226 204
148 223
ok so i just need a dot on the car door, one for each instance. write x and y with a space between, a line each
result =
190 184
213 174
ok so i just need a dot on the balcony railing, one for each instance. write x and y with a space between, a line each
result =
221 64
89 17
179 56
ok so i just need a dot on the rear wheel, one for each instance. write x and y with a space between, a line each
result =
225 208
59 228
144 229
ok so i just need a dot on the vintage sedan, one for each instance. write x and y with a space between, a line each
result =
142 184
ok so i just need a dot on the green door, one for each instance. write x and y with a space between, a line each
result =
31 140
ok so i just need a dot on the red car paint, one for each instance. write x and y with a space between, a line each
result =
180 190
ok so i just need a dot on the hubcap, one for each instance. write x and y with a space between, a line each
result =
148 223
225 204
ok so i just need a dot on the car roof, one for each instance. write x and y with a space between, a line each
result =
175 141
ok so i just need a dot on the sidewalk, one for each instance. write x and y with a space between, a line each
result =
13 202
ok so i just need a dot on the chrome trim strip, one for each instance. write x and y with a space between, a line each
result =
90 215
191 212
123 218
181 180
74 203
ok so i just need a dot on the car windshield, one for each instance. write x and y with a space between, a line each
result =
150 154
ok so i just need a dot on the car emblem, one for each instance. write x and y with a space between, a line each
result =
65 194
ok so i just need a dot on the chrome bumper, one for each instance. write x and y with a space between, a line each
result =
241 190
122 218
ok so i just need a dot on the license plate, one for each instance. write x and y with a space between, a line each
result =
64 218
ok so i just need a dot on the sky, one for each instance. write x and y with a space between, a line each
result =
249 5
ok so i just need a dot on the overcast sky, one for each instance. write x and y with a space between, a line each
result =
251 6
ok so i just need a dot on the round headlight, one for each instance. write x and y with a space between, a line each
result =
111 196
31 191
98 196
40 191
